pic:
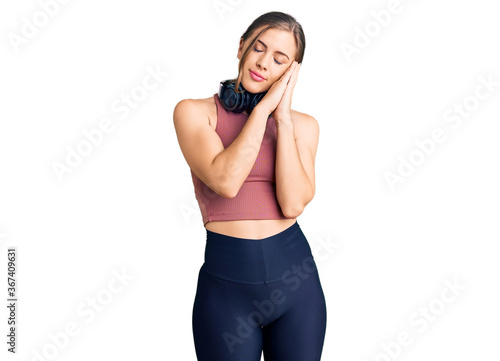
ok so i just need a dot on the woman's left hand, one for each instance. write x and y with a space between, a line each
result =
282 112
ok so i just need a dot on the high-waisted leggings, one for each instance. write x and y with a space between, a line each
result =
259 295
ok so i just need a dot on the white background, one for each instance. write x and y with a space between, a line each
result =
129 205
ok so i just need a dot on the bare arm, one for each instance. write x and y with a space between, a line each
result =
223 170
296 152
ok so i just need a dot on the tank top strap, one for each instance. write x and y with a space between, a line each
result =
229 124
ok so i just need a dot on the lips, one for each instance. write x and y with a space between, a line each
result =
257 75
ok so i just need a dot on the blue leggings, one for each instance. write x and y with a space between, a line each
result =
259 295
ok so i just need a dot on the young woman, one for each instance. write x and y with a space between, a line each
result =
252 168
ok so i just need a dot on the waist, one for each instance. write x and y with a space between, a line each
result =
257 261
250 228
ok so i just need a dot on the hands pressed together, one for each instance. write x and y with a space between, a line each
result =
278 99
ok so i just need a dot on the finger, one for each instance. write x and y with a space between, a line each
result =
293 77
291 70
285 78
282 83
287 73
295 74
291 85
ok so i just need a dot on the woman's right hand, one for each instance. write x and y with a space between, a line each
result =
273 96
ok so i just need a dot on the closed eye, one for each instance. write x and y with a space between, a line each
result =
260 51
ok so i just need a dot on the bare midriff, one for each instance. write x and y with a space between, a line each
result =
252 228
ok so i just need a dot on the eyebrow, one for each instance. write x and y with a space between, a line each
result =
277 51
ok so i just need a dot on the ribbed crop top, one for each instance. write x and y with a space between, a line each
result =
256 198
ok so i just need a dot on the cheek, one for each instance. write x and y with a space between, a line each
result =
278 76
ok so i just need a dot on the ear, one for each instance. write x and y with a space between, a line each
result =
240 49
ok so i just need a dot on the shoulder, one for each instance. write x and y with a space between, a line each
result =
190 104
305 124
193 108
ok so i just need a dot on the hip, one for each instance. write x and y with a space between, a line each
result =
258 261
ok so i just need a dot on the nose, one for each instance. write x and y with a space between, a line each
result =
263 62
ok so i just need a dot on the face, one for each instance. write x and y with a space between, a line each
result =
272 54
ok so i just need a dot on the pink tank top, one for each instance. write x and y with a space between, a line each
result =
256 198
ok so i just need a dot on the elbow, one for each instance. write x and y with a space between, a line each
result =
220 185
223 182
295 210
222 190
292 212
227 193
227 190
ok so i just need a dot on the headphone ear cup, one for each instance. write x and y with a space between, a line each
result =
238 102
231 100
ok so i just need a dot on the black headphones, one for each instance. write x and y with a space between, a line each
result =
238 102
